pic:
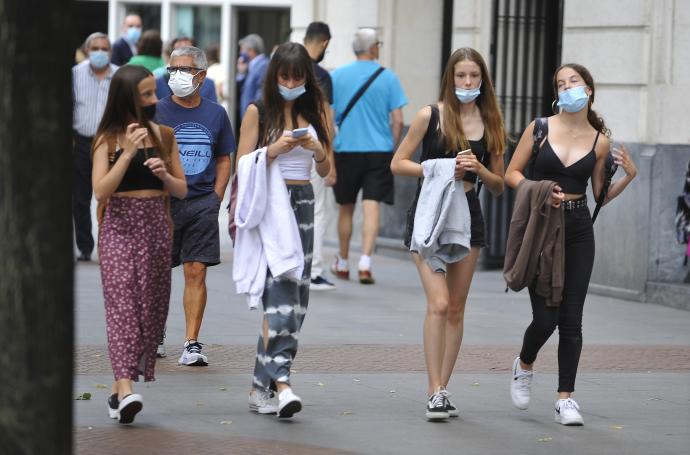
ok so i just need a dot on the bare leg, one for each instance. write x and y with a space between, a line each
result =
459 278
370 226
345 213
194 297
436 292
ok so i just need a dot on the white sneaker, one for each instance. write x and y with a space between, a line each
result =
520 385
288 404
113 406
129 407
192 356
568 412
260 402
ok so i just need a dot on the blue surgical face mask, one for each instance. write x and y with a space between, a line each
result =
132 35
468 95
574 99
290 94
99 59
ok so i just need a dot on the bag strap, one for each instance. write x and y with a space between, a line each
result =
541 130
358 95
610 168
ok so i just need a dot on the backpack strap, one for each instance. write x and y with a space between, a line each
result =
358 95
610 168
541 130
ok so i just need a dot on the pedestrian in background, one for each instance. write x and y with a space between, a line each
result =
251 70
163 90
466 118
90 83
573 150
125 47
291 101
206 142
135 168
364 145
316 41
149 51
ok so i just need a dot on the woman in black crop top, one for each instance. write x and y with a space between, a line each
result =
135 166
466 118
574 150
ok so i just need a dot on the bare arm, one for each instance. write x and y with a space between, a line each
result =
402 163
222 175
623 160
396 125
493 177
332 176
175 182
523 152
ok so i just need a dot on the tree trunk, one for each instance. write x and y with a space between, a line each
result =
36 252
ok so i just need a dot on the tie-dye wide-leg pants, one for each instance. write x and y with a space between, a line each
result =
285 302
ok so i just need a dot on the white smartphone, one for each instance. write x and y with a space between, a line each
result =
299 132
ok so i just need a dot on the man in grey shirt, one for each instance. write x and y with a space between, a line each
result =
90 85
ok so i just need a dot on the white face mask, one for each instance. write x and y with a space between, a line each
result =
182 84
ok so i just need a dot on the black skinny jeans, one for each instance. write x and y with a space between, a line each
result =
579 258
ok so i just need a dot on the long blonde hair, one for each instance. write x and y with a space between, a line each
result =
454 136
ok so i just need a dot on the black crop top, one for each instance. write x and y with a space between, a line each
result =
432 145
572 179
138 176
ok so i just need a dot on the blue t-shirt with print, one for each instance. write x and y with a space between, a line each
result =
367 127
203 133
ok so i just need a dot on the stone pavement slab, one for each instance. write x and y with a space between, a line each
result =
360 371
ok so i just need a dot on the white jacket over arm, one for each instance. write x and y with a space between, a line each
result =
442 224
267 231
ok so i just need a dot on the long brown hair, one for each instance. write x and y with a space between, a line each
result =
123 106
454 136
594 119
293 59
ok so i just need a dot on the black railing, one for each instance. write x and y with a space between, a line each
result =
525 51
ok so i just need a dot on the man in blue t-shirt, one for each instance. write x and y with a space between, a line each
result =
205 140
364 147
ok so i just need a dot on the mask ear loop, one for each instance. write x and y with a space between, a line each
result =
553 107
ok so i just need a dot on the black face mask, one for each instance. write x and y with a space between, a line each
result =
319 59
149 111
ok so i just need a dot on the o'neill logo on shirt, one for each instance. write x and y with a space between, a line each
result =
196 152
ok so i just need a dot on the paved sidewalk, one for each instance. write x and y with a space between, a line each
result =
360 372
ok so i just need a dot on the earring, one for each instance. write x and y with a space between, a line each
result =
553 107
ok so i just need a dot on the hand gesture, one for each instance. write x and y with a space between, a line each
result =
309 142
621 157
459 167
469 162
158 168
283 145
134 138
557 197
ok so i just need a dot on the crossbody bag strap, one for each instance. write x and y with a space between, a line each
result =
359 94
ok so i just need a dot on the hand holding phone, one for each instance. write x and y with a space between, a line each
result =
299 132
465 152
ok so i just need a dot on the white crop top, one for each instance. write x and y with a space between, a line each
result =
296 164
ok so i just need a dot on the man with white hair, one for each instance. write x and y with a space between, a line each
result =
251 70
368 101
205 141
126 46
90 84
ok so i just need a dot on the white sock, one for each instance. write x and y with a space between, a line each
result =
342 263
364 262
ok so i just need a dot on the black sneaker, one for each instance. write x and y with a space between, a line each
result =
436 407
321 284
113 405
450 407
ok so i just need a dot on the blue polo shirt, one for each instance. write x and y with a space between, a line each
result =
203 133
367 127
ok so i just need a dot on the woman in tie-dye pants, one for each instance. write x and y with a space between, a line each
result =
291 122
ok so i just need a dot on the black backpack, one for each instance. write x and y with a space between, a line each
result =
541 130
